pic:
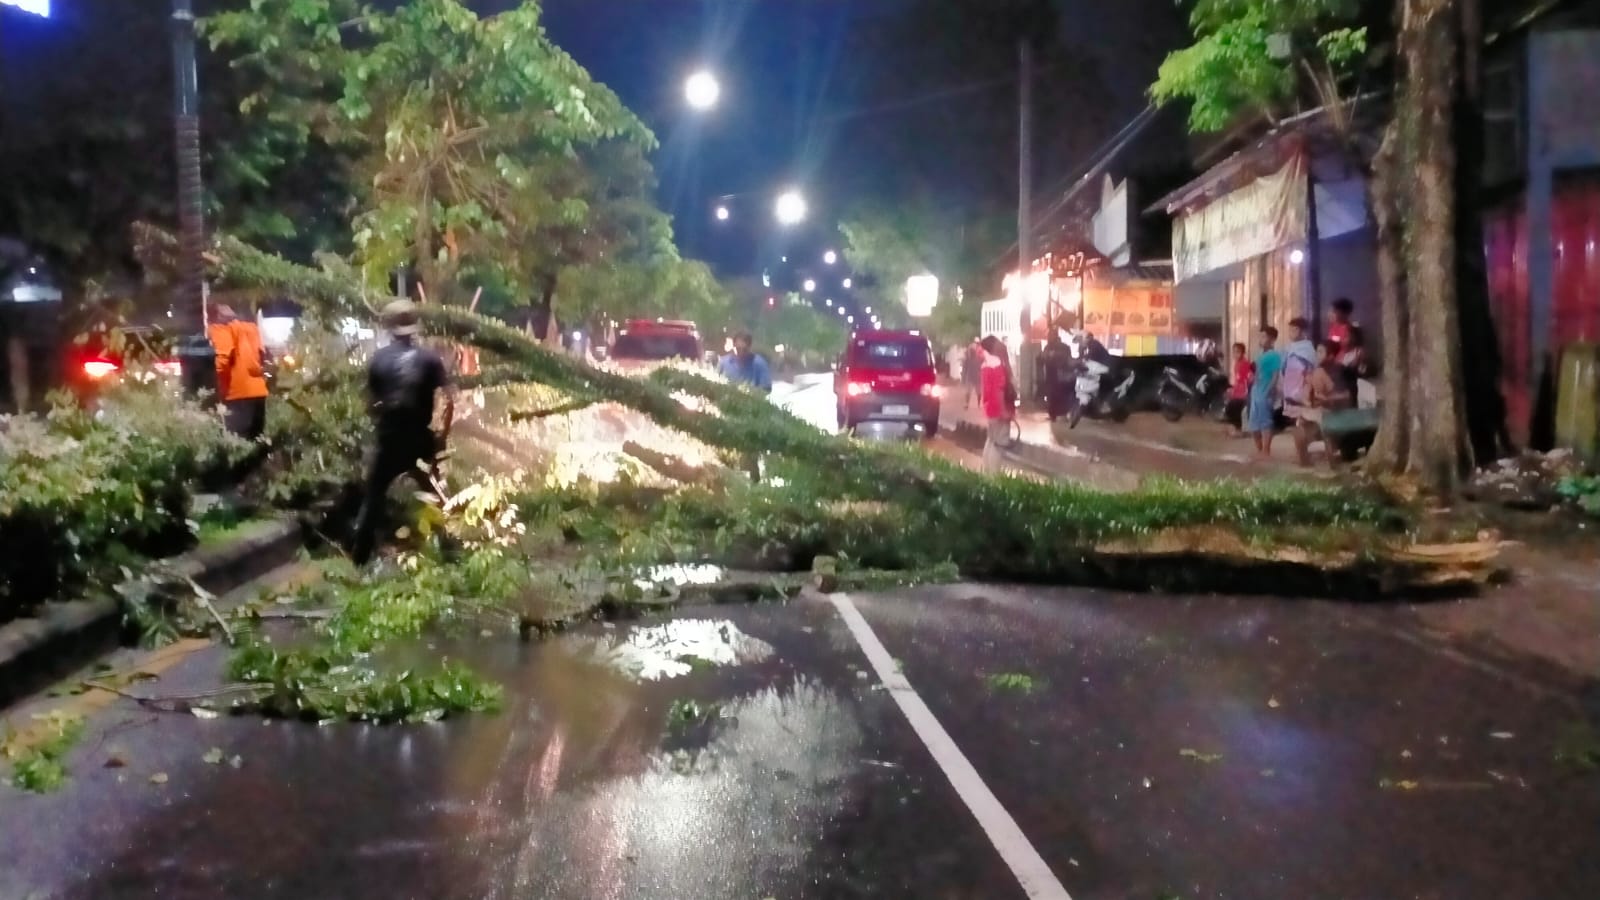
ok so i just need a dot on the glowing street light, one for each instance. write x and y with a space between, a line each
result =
847 284
921 294
850 319
723 214
840 310
869 310
702 90
790 208
830 257
829 301
810 285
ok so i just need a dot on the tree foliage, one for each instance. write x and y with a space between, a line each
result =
891 244
467 133
811 336
1259 56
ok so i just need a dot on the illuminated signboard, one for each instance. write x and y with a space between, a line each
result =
37 7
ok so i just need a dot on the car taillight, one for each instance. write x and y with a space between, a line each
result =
932 390
97 369
858 388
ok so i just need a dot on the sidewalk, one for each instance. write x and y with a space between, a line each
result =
1549 613
1145 444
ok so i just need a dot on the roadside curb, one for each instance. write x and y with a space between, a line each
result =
66 635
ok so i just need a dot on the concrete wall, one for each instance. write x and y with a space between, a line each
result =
1201 301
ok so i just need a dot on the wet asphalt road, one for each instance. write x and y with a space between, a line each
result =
1146 747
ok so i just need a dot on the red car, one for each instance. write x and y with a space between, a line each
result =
888 376
655 340
104 358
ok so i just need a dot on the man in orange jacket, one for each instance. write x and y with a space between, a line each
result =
241 372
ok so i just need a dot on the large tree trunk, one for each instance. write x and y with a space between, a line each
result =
1424 429
1439 453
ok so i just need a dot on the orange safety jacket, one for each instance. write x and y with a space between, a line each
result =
240 373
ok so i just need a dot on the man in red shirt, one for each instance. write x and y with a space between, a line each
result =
993 383
1339 328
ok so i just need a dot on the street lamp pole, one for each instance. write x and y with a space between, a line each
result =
189 312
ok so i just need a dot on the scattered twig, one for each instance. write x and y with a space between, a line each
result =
204 598
172 703
315 614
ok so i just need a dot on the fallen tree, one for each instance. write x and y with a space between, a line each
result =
928 511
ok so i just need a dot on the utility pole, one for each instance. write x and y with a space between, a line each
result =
194 348
1025 158
1025 205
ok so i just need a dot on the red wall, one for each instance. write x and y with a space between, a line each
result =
1575 315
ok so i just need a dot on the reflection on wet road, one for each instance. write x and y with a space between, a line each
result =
1147 747
588 785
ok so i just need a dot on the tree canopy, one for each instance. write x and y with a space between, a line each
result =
466 132
1261 56
892 243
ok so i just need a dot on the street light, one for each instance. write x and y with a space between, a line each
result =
702 90
723 214
830 257
847 284
790 208
829 301
810 285
921 295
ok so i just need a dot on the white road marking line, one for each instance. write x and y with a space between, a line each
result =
1025 863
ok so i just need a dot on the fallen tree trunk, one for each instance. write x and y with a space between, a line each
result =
672 467
991 528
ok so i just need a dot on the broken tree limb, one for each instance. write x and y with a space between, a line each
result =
671 466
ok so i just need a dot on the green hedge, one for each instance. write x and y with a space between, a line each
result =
81 494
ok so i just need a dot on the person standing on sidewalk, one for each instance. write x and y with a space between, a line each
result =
1265 393
241 372
998 407
1244 373
403 383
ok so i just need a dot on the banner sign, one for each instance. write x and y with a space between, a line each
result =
1258 218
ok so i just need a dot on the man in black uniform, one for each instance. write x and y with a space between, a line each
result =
402 381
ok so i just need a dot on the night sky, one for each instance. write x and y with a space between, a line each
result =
813 96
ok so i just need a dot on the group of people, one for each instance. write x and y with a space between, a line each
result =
404 382
1295 386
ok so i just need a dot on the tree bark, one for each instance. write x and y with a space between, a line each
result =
543 313
1391 449
1439 455
1430 263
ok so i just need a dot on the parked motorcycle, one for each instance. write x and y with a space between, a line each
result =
1206 395
1099 396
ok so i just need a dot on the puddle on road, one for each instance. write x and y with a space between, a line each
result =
672 649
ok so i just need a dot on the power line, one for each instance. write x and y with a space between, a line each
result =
1098 161
922 99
